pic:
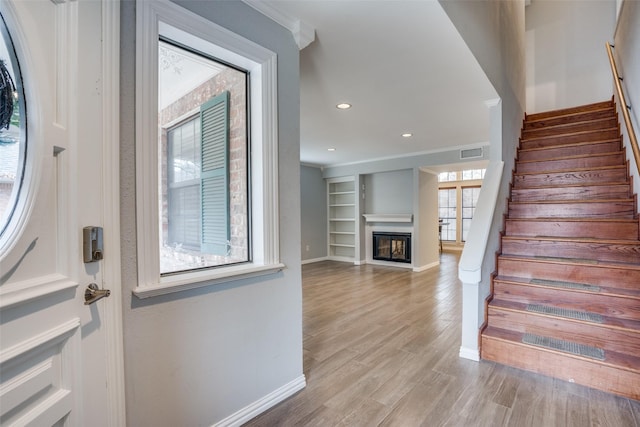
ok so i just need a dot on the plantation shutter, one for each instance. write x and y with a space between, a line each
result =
214 115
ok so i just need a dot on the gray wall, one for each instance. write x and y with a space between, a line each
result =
196 357
627 54
566 58
313 207
494 30
389 192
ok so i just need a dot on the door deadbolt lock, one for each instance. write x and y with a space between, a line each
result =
92 249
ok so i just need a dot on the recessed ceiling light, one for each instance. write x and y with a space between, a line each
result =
343 106
407 135
331 149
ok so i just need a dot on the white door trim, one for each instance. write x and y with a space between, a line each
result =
111 202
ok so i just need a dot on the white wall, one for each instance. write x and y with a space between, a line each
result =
494 30
627 54
426 220
389 192
566 58
196 357
313 207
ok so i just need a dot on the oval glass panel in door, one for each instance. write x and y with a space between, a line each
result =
13 141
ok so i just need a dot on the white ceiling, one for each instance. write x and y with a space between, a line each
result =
403 67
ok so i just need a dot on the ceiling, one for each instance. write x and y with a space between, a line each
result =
403 67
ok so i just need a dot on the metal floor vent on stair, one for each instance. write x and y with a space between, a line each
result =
565 312
565 346
566 285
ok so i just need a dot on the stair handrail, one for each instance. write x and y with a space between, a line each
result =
625 107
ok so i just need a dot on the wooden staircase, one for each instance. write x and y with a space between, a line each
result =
566 297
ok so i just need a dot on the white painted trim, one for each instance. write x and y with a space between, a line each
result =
312 260
35 166
21 292
452 149
303 33
469 353
169 19
470 266
261 405
113 327
388 217
426 267
200 279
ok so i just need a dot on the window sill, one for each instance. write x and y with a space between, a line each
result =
201 279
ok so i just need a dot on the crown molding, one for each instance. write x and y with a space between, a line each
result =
303 33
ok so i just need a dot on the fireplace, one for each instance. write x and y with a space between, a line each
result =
394 247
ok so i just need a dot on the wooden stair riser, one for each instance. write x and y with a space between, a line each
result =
604 113
549 153
573 369
582 192
608 209
572 127
621 306
617 230
555 152
602 160
589 274
572 138
597 335
571 111
613 175
618 251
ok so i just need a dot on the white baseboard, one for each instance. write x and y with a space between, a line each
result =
312 260
426 267
471 354
261 405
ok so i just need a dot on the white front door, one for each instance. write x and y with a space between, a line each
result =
61 360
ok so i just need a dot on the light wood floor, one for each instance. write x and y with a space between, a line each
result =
381 349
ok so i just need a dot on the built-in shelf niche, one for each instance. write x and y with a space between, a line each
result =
341 201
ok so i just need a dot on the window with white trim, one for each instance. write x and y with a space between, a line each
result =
203 153
207 206
457 198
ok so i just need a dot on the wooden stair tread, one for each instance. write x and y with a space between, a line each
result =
614 359
574 185
571 144
575 170
604 289
574 157
557 202
576 240
567 125
628 325
568 134
573 219
571 111
577 262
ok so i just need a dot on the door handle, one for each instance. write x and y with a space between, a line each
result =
93 294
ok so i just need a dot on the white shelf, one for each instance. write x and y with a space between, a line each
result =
341 202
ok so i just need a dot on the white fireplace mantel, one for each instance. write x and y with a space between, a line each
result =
388 217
